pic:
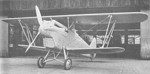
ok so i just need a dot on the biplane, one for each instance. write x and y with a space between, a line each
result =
66 40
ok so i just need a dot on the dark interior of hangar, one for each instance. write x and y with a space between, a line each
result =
125 35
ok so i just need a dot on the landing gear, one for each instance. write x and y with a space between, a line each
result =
68 64
41 62
68 61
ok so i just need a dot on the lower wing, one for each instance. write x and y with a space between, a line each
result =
38 48
105 50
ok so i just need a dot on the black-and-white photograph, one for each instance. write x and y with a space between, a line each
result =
74 36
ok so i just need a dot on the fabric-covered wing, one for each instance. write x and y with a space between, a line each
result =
94 18
38 48
25 20
122 17
106 50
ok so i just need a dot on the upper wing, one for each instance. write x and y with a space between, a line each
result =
106 50
122 17
94 18
39 48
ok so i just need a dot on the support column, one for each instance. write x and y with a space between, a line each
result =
3 38
145 37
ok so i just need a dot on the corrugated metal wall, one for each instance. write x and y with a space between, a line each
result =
57 4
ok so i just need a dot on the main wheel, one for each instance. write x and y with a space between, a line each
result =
68 64
40 62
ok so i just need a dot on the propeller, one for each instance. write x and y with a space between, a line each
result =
38 14
39 18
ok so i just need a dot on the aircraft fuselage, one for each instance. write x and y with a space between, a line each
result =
63 38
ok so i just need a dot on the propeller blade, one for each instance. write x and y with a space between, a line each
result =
32 41
39 18
38 14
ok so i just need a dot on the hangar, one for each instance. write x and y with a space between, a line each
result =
134 37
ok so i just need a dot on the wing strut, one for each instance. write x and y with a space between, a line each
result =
110 17
108 33
26 31
68 21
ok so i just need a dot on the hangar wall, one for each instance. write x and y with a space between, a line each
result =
59 4
145 37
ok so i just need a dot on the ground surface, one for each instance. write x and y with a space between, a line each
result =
27 65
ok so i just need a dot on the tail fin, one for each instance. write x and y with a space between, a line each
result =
93 43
